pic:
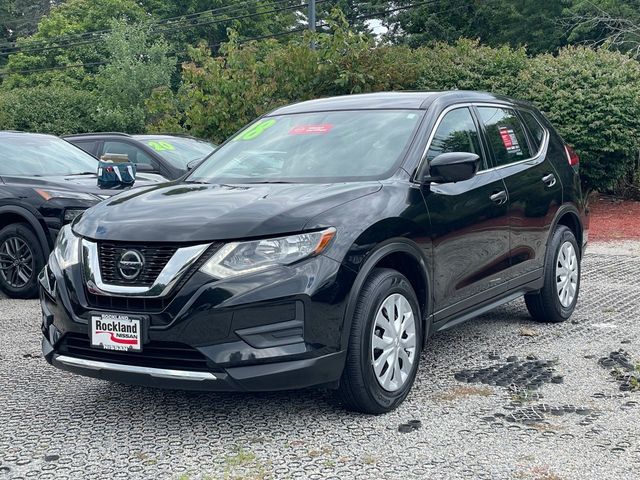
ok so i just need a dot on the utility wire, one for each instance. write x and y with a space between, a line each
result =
236 8
93 64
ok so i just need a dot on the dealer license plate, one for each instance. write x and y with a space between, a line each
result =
116 332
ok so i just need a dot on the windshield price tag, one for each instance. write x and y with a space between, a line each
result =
311 129
256 130
160 146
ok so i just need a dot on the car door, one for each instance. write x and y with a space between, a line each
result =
469 222
535 190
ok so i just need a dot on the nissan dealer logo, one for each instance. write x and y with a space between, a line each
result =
130 264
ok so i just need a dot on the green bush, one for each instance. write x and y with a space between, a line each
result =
56 109
593 99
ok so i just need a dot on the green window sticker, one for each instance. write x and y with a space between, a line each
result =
256 130
160 146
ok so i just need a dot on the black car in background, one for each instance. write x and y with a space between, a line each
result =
322 245
166 155
45 183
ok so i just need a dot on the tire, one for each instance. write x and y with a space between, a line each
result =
20 281
547 304
361 386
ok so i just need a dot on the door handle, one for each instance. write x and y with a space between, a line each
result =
550 180
499 198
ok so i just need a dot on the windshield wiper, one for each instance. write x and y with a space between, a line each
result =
81 173
197 181
268 181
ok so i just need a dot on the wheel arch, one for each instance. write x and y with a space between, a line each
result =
569 216
15 214
404 256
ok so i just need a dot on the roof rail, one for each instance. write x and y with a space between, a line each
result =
171 134
88 134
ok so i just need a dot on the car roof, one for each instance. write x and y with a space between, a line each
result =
390 100
145 136
16 133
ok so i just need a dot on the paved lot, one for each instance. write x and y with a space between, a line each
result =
56 425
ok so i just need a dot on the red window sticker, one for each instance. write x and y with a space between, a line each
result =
320 128
509 140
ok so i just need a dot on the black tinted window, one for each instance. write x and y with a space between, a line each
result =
89 147
505 134
457 132
535 129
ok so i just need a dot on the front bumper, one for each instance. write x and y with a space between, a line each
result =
267 377
275 330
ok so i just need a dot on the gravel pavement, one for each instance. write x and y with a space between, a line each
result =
577 423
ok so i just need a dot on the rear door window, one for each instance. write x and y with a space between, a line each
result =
505 135
456 132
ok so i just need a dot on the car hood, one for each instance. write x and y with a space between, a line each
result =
188 212
80 183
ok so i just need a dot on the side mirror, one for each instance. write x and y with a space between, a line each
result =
453 167
194 163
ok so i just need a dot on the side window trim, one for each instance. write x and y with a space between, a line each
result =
543 143
545 135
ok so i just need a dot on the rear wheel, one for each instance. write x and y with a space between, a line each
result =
384 345
21 258
557 299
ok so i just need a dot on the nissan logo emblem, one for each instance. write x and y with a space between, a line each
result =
130 264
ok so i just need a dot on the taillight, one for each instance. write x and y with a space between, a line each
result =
572 156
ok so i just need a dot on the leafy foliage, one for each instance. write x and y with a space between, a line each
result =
136 67
591 96
58 109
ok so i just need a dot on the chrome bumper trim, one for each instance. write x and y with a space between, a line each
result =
154 372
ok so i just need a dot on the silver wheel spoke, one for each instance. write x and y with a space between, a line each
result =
393 342
567 274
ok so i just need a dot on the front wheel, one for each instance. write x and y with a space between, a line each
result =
384 345
21 259
557 299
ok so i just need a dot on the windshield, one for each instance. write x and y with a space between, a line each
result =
312 147
41 155
179 151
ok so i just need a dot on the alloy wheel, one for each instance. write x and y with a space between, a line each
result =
567 270
16 262
393 342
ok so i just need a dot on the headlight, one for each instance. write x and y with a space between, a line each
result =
71 213
247 257
49 194
66 249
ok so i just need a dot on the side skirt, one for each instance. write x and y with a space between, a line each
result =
485 306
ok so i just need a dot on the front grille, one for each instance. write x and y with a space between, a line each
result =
156 354
155 259
127 304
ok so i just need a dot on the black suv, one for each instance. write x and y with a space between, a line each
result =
166 155
45 183
322 245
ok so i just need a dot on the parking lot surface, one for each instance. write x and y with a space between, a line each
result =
554 412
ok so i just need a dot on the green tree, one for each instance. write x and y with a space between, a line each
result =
531 23
137 65
57 42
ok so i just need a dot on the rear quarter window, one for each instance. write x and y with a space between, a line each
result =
536 130
88 146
